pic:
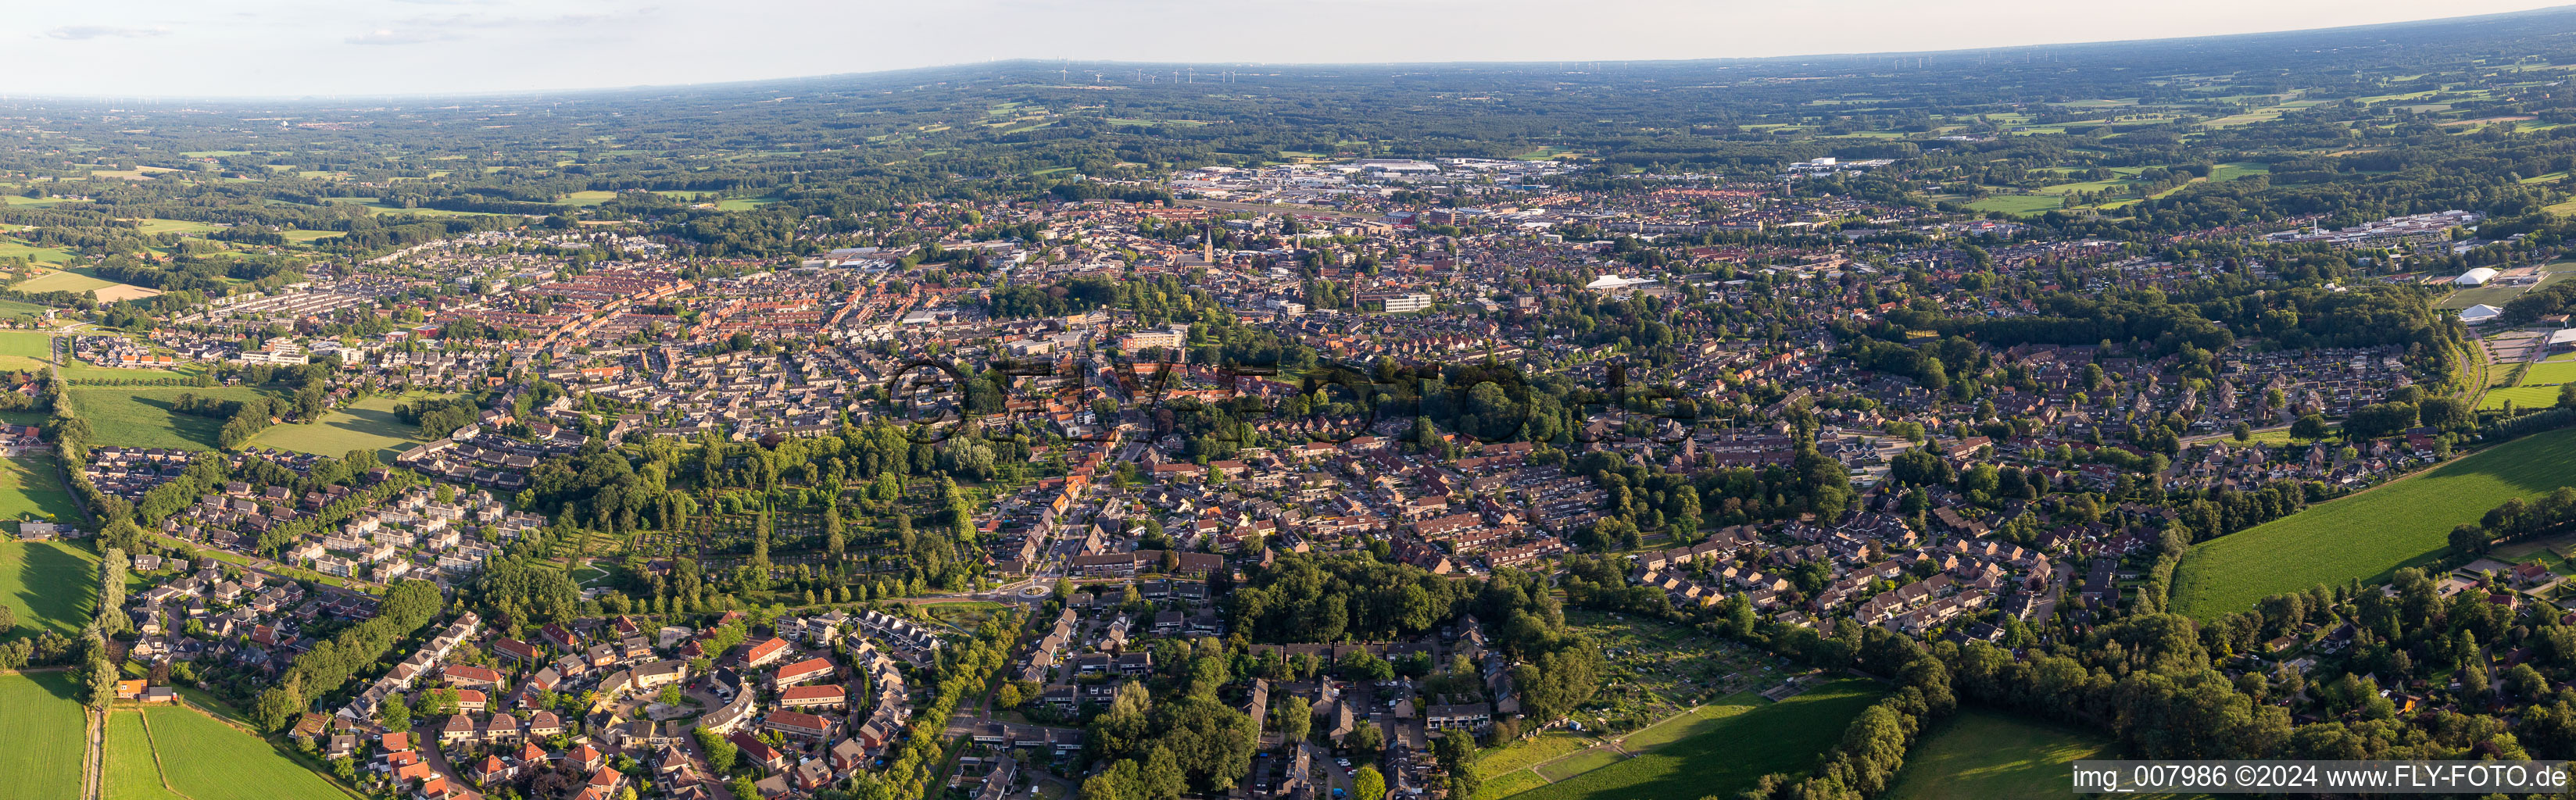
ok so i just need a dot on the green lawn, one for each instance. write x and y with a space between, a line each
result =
1752 739
2371 534
1509 784
1987 755
141 416
129 771
30 486
44 728
1577 764
50 585
209 760
1682 726
2550 372
2522 397
364 425
1523 754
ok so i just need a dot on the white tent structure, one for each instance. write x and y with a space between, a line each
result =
2480 314
2475 277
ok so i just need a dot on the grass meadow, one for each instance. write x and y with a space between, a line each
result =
44 730
30 486
129 772
209 760
30 351
1986 755
63 282
1746 739
132 416
368 424
50 585
2370 534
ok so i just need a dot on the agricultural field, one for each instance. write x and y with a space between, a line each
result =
175 226
44 729
13 309
1746 738
50 585
10 248
63 281
26 350
141 416
1986 755
31 487
130 773
2370 534
368 424
208 760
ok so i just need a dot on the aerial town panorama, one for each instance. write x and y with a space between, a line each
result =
1905 426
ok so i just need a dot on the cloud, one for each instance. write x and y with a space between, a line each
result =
391 36
86 32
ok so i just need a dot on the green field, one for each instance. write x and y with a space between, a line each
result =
26 350
44 728
1749 738
1521 755
1986 755
62 282
2371 534
2550 372
2522 397
129 772
175 226
209 760
1577 764
364 425
13 308
141 416
2019 203
30 486
50 585
40 255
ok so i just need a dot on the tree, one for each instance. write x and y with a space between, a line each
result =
394 716
102 674
1456 753
1365 740
275 708
2310 426
1367 784
1295 717
721 752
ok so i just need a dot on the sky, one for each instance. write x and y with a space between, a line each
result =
321 48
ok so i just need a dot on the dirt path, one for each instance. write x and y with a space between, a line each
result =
94 755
